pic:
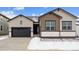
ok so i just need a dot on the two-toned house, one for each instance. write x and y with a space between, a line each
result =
56 23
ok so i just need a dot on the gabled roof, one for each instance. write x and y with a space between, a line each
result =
4 16
20 15
52 13
66 12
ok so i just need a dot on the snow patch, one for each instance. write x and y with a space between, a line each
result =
36 44
3 37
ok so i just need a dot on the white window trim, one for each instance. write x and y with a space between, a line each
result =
66 25
51 25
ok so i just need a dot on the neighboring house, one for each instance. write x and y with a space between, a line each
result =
3 25
77 28
57 23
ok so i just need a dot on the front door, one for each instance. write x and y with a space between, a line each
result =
36 28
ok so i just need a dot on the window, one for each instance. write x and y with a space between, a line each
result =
1 27
50 25
67 25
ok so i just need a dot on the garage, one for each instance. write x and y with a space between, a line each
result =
21 32
20 26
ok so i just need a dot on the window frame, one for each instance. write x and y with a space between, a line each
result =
67 26
50 25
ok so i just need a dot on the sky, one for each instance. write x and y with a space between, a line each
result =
33 11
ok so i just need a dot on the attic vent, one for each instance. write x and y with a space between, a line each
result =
21 22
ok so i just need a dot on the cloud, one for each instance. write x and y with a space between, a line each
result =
41 14
19 8
9 14
33 14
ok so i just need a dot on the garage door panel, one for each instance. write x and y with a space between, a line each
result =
21 32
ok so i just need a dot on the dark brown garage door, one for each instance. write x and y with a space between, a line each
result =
21 32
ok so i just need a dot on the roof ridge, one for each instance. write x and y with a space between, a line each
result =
20 15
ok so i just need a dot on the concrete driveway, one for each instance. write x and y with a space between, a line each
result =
14 44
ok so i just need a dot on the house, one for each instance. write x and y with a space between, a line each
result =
3 25
57 23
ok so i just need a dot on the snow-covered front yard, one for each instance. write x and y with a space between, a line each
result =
36 44
3 37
